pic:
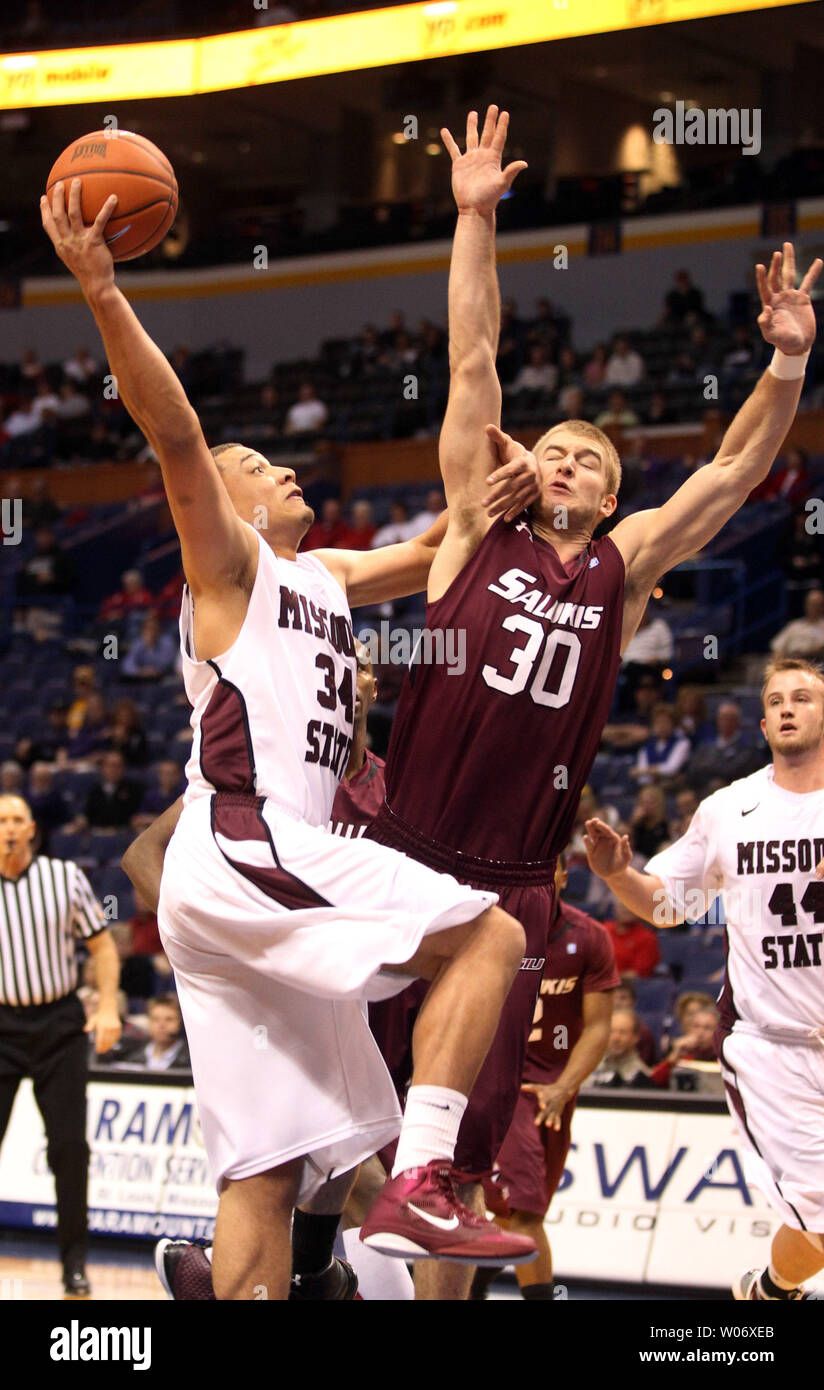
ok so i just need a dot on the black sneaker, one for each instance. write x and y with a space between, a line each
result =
184 1270
75 1282
336 1283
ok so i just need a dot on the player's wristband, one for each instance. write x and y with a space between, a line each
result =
788 368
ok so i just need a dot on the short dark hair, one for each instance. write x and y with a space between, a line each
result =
167 1001
221 449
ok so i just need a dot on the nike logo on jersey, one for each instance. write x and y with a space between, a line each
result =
524 526
752 808
440 1221
593 562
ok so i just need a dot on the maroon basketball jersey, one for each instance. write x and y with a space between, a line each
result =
358 799
491 760
579 960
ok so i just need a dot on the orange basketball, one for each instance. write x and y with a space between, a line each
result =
137 171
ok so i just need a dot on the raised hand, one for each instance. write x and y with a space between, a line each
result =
607 852
478 181
516 482
82 249
787 319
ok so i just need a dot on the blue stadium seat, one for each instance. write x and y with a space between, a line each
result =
577 888
109 846
654 993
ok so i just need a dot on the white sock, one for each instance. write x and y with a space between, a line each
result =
431 1120
379 1276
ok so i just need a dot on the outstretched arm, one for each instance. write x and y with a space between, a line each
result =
394 571
467 454
143 860
215 543
652 542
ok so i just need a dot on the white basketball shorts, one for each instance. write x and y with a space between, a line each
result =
277 932
775 1092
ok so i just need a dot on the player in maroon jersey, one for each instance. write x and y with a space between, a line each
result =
485 769
569 1036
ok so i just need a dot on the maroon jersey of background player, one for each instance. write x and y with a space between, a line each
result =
492 762
358 799
579 960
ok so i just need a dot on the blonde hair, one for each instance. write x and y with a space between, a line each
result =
789 663
612 461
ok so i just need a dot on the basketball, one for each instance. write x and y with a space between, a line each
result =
137 171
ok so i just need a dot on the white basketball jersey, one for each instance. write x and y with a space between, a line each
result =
273 715
757 845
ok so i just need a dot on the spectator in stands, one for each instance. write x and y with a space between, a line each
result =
686 805
101 446
740 357
169 783
81 367
636 944
538 374
659 411
726 757
629 730
71 403
365 352
39 508
791 483
49 571
687 1005
115 798
702 353
50 808
332 531
625 997
649 650
648 826
684 304
695 1045
167 599
50 741
46 403
127 735
401 355
93 735
801 555
803 637
595 369
664 753
83 683
308 414
166 1048
421 521
362 529
144 963
682 371
31 368
152 655
625 366
621 1064
11 778
571 404
131 597
618 414
395 529
691 715
569 369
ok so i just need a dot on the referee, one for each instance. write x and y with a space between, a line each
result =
45 906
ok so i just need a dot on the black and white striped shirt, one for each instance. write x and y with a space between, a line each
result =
42 915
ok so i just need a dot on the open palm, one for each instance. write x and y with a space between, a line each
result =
787 318
478 181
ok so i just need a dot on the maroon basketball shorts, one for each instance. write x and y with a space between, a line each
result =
495 1093
532 1157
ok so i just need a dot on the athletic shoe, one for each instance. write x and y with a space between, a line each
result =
745 1289
184 1271
75 1282
419 1216
337 1283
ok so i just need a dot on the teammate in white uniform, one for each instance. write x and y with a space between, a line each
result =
278 931
757 843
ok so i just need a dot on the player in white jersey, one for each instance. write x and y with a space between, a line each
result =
277 931
757 843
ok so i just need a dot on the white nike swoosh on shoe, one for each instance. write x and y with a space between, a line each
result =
440 1221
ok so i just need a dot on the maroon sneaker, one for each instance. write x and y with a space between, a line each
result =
418 1216
184 1270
